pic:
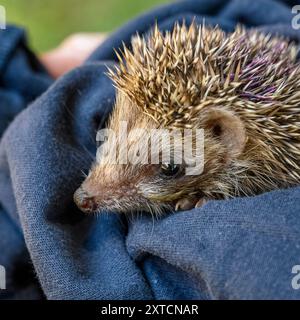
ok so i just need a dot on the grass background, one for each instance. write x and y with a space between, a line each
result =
49 22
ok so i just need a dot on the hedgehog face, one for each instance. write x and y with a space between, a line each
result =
145 181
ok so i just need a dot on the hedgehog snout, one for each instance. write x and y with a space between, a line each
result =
84 201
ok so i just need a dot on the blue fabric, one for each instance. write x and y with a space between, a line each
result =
239 249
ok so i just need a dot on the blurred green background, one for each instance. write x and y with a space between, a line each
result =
49 22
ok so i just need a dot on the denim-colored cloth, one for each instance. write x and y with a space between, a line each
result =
239 249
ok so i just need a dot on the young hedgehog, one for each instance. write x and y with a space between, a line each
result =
242 88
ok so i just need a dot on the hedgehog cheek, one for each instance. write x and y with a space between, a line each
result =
229 129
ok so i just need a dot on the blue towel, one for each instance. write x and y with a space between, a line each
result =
239 249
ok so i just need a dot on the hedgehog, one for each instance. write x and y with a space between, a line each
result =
242 88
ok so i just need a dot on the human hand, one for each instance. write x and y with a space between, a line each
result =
71 53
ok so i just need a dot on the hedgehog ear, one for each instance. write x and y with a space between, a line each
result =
229 128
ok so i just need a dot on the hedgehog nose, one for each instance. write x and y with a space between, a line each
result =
84 201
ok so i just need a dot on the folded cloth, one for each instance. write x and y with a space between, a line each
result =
239 249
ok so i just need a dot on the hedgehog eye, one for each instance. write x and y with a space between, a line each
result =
170 169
